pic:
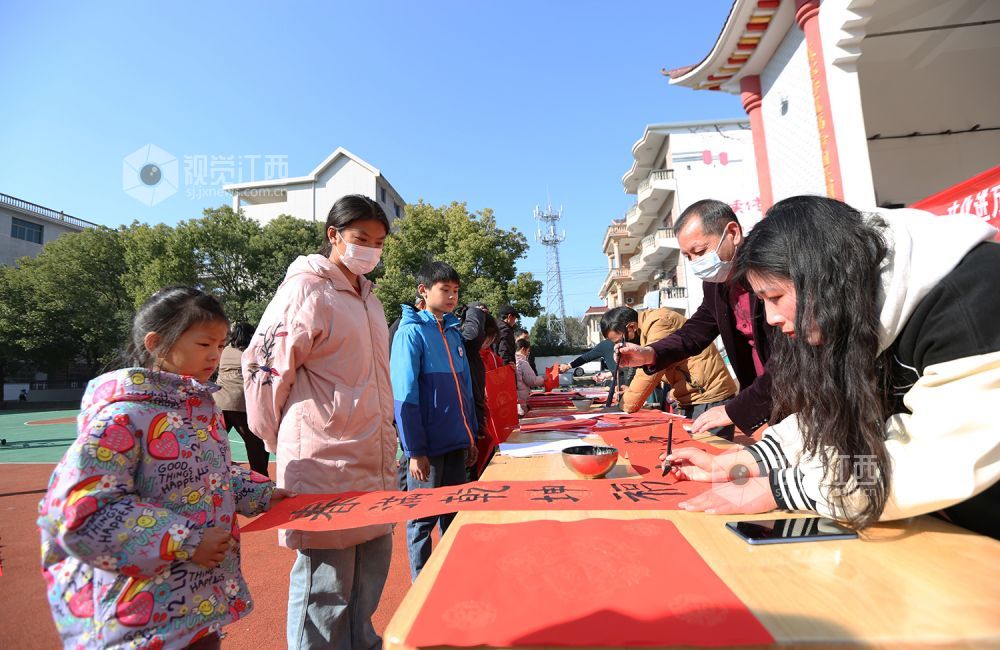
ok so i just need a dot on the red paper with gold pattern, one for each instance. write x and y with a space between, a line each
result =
596 582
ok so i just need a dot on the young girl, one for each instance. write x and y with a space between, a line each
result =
318 393
140 544
525 375
887 373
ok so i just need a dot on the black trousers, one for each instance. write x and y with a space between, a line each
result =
256 453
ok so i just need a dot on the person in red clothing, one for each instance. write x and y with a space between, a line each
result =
491 360
486 445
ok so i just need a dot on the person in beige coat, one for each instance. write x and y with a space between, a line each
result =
318 393
231 399
697 383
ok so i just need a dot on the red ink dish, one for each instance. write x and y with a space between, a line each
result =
589 461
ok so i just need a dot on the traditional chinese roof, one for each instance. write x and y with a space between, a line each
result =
751 33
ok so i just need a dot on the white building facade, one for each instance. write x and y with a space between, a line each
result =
674 166
312 196
26 227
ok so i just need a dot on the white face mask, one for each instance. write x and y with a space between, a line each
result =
359 259
710 267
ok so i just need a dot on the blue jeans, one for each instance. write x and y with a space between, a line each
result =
448 469
694 410
333 593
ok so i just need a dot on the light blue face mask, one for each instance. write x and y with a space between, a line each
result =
710 267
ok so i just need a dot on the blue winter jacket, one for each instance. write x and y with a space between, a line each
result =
432 385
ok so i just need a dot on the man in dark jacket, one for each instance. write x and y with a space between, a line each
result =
505 340
709 234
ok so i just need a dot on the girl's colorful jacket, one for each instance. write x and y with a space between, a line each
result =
125 510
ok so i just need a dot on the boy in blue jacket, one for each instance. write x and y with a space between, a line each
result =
435 412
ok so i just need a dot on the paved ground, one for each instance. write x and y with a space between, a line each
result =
35 442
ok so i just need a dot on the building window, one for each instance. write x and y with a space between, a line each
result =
382 193
25 230
398 209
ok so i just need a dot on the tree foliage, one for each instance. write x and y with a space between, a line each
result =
484 255
543 341
74 302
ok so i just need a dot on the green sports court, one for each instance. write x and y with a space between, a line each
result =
43 436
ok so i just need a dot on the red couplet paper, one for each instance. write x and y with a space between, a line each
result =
321 512
642 445
596 582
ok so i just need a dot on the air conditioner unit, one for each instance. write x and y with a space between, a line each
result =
629 301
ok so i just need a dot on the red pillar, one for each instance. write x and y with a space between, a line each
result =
750 94
806 15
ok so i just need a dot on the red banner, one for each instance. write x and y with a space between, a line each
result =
501 403
979 196
320 512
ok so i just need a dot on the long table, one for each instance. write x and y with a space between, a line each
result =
919 582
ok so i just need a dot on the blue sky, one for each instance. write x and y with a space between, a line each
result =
499 104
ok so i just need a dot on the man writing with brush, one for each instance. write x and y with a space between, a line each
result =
709 235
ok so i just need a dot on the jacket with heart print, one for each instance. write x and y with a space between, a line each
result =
149 471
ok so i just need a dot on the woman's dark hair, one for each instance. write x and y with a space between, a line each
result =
241 335
838 388
169 312
522 344
490 327
617 319
347 210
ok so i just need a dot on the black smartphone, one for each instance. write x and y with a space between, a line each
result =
786 531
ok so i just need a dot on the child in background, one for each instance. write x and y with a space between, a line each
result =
525 375
140 544
432 386
491 360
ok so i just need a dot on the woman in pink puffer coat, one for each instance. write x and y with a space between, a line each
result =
318 393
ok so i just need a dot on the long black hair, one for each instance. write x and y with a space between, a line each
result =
832 255
347 210
169 312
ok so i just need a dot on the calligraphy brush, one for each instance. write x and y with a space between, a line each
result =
670 443
618 372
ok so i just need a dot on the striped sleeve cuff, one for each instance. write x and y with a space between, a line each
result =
768 455
789 491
